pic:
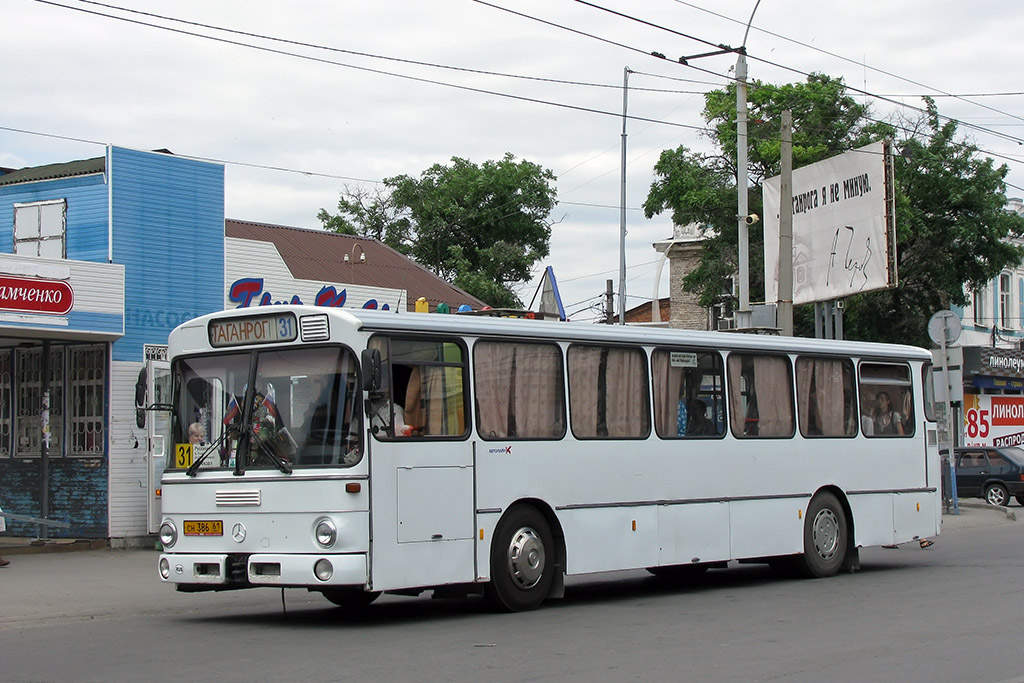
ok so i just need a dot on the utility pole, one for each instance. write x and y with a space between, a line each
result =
622 205
609 306
785 303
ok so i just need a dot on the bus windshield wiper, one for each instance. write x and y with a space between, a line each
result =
273 457
191 471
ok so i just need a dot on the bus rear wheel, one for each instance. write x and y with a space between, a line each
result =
825 537
522 567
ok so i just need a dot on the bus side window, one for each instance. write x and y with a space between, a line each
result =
824 393
608 396
688 393
519 390
887 400
761 395
424 388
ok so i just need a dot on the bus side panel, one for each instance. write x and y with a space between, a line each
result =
760 528
693 533
606 539
914 516
872 519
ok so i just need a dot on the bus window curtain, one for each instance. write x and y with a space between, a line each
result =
668 385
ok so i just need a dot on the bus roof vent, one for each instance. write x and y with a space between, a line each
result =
314 328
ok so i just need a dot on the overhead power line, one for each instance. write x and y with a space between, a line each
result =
805 74
938 92
366 69
315 46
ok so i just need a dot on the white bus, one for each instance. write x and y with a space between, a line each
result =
360 452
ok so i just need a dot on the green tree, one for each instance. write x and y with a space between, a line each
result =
952 231
949 204
368 213
481 227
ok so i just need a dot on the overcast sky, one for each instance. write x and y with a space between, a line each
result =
279 96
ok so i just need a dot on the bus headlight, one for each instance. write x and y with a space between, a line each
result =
326 532
165 568
323 569
168 534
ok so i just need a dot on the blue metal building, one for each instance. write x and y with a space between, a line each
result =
99 260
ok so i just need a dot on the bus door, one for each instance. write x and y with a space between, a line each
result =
157 386
421 466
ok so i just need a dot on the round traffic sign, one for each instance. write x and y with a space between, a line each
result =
944 327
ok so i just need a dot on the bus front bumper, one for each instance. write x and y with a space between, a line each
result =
236 571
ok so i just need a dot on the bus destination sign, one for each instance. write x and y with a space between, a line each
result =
263 329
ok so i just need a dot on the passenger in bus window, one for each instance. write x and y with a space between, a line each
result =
887 419
699 424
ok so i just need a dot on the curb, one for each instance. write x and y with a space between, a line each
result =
1010 514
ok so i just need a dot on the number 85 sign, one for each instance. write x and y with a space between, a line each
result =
993 420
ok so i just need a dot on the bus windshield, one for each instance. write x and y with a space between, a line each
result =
301 410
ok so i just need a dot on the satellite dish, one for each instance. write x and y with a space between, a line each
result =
944 327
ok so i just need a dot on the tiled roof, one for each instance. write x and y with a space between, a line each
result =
51 171
320 256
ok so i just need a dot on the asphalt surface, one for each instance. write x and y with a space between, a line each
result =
49 582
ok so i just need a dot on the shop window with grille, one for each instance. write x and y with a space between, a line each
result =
86 382
5 403
28 375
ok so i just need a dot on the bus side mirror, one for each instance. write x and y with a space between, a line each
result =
140 399
371 369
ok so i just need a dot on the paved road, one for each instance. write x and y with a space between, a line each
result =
942 614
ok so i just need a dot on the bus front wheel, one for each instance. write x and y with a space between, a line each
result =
522 555
350 598
825 536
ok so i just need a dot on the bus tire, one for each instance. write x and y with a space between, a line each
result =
522 561
350 598
825 537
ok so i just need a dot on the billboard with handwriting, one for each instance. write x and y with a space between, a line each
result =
843 227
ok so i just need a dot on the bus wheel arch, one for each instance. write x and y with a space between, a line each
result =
828 535
527 558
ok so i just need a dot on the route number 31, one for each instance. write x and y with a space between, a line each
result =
182 455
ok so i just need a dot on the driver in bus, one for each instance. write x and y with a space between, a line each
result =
196 433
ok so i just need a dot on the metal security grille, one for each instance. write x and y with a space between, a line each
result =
86 381
28 389
5 403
